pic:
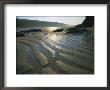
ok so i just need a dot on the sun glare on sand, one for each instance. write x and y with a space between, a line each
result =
54 37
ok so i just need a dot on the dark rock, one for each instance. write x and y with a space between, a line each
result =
20 34
58 30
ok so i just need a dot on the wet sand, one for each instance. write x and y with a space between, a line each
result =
43 55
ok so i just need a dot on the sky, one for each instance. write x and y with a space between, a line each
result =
70 20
